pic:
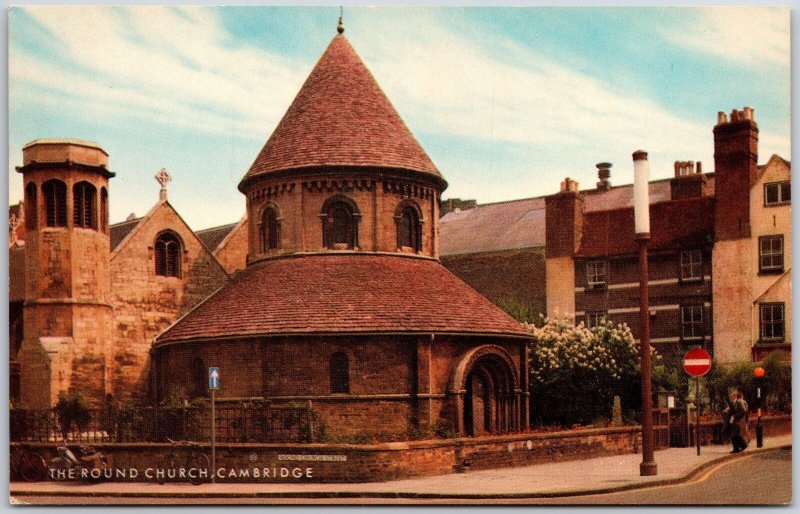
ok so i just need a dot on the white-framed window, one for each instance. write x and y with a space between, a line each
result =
596 276
692 265
770 254
692 328
771 322
595 318
777 193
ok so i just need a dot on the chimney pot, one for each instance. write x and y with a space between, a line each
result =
722 118
699 169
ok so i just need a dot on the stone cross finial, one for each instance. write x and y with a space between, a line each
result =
13 223
163 178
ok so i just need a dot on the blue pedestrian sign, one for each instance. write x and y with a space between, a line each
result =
213 378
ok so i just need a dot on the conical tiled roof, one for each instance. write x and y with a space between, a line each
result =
341 117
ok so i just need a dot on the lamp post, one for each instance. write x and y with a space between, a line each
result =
759 373
641 211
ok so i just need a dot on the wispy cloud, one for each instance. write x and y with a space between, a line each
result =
749 36
469 87
173 66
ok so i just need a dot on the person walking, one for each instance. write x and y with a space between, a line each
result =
736 416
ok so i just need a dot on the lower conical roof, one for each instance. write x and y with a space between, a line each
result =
330 294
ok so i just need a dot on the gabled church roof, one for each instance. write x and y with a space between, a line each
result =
341 117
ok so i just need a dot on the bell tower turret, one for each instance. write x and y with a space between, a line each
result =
67 310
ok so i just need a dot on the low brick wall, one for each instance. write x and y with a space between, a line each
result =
297 463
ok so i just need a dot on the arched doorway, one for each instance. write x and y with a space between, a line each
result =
488 392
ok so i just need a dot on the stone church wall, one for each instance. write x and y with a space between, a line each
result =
144 303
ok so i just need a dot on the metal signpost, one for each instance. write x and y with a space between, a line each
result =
759 373
213 384
696 363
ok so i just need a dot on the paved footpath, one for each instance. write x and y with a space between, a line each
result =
602 474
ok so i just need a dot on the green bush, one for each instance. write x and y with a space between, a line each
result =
72 411
776 388
575 372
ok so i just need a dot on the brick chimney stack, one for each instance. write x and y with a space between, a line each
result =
689 181
736 167
564 220
563 232
604 174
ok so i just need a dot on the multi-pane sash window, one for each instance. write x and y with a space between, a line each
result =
692 265
596 274
770 253
771 317
776 193
692 322
595 318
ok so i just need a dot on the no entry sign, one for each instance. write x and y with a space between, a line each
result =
697 362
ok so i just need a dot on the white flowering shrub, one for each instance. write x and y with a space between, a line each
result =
575 371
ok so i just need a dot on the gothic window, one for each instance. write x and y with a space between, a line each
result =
340 223
340 373
31 207
168 250
409 228
269 230
84 205
104 209
55 203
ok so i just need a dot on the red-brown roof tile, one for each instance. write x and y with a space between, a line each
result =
341 117
683 223
343 294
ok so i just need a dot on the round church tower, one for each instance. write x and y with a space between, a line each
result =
344 302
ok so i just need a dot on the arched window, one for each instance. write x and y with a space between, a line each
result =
168 250
340 223
31 207
199 377
84 213
270 236
103 209
55 203
409 228
340 373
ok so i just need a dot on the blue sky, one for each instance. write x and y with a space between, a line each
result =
506 101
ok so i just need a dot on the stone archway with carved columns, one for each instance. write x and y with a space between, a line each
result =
496 369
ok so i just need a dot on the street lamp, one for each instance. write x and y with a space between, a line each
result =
759 373
641 213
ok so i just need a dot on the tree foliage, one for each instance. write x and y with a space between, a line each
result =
576 371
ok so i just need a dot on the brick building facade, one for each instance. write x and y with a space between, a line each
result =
719 255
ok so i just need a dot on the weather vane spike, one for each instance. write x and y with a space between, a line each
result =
340 27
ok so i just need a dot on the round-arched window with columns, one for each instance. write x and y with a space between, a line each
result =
269 228
340 217
408 218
